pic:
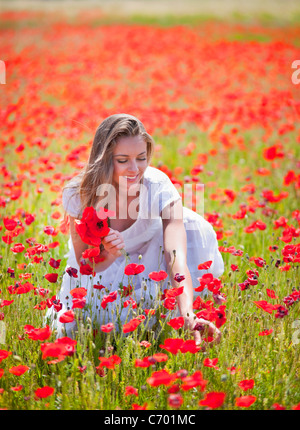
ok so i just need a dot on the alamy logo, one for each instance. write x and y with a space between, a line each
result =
296 334
154 201
296 73
2 332
2 72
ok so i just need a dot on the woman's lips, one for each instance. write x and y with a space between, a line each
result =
131 178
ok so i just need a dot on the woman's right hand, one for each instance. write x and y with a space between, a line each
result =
113 243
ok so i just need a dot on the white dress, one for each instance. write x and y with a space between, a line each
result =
144 245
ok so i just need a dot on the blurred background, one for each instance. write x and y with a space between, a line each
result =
268 9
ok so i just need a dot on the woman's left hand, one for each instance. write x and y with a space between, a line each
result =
200 326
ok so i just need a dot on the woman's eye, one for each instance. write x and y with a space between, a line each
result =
124 161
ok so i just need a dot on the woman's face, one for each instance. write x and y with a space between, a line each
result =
129 161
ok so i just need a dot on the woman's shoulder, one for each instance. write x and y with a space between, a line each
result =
154 175
71 200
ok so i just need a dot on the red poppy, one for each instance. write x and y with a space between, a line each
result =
67 317
211 362
213 400
56 303
233 370
126 291
158 276
107 328
18 370
161 377
272 152
108 299
62 347
205 266
280 222
172 345
176 323
149 312
260 262
93 255
220 318
292 298
281 311
190 346
91 228
265 332
263 304
91 252
173 389
98 287
144 362
54 263
278 407
134 269
129 302
7 239
179 278
170 303
17 388
173 292
175 400
9 223
41 306
271 293
51 277
131 325
131 391
51 231
209 282
145 343
86 269
44 392
109 362
19 288
246 384
17 248
160 357
72 272
78 303
37 333
194 380
245 401
136 407
78 293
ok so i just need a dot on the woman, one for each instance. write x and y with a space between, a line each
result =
149 218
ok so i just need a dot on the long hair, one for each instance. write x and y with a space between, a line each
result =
99 168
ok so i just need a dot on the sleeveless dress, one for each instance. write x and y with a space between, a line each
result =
144 245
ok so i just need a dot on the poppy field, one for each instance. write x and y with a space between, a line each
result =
222 101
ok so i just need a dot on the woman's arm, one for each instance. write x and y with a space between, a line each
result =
175 251
112 245
78 244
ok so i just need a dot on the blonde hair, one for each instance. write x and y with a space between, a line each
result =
99 168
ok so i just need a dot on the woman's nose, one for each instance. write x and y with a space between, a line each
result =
133 167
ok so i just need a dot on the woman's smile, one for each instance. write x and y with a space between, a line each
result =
130 160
